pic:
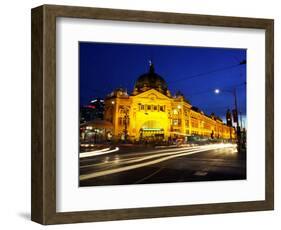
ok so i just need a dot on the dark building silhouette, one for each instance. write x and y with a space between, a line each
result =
93 111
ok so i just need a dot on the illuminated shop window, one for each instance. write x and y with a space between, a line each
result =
176 121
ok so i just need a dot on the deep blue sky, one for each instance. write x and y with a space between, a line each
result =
195 71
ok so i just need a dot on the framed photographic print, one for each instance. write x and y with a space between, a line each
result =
148 114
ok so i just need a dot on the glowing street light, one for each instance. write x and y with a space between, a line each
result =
235 115
217 91
233 92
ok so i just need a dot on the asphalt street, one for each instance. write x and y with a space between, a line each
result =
123 166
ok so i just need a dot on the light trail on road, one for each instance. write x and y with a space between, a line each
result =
142 158
150 160
98 152
130 154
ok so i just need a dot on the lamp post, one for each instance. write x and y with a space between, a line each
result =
233 92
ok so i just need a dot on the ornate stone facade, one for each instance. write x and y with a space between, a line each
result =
151 113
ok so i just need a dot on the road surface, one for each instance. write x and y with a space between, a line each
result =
116 166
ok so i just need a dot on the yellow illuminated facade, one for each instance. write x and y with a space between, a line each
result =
151 113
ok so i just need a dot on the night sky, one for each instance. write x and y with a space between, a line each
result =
195 71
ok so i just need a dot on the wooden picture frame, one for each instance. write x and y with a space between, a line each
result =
43 208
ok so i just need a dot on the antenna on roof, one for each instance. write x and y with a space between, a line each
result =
151 66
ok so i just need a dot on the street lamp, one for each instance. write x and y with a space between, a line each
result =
217 91
233 92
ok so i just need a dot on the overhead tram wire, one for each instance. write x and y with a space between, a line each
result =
211 89
209 72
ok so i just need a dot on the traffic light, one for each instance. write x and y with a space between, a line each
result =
228 118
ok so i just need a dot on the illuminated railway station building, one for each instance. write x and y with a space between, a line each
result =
151 113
